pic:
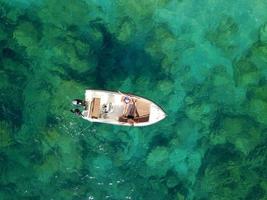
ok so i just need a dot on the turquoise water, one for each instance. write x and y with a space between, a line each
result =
204 62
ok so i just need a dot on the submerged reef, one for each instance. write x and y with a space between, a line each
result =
205 64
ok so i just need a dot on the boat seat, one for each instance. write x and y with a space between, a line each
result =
143 108
87 103
95 108
136 119
144 118
123 119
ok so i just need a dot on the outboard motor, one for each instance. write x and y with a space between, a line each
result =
78 102
75 102
77 112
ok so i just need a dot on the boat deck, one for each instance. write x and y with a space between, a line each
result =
117 107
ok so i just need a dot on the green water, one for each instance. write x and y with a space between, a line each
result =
204 62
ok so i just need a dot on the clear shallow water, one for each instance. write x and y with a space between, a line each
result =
204 63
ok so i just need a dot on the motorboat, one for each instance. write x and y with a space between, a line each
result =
118 108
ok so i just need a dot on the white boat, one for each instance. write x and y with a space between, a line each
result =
120 109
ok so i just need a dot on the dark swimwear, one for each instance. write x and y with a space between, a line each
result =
80 102
76 111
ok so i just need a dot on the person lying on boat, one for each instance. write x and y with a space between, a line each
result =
77 112
130 115
131 121
127 99
131 110
78 102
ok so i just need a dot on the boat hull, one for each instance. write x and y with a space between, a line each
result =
111 107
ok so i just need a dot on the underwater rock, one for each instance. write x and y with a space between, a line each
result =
263 185
70 13
172 181
177 156
220 76
194 162
188 132
4 84
135 148
223 36
175 102
9 12
33 103
127 84
178 161
48 168
52 35
241 132
68 149
225 174
222 90
162 43
3 34
143 83
263 33
6 138
255 192
2 11
170 65
158 189
97 38
64 53
180 196
185 163
165 87
229 127
258 55
101 166
49 141
142 12
200 112
64 194
246 73
63 147
13 66
258 109
13 15
82 48
26 35
126 30
157 161
257 92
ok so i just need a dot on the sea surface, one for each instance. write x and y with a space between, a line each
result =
204 62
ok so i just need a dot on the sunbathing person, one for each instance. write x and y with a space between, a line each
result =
131 110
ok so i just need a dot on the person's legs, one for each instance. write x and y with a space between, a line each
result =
131 121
